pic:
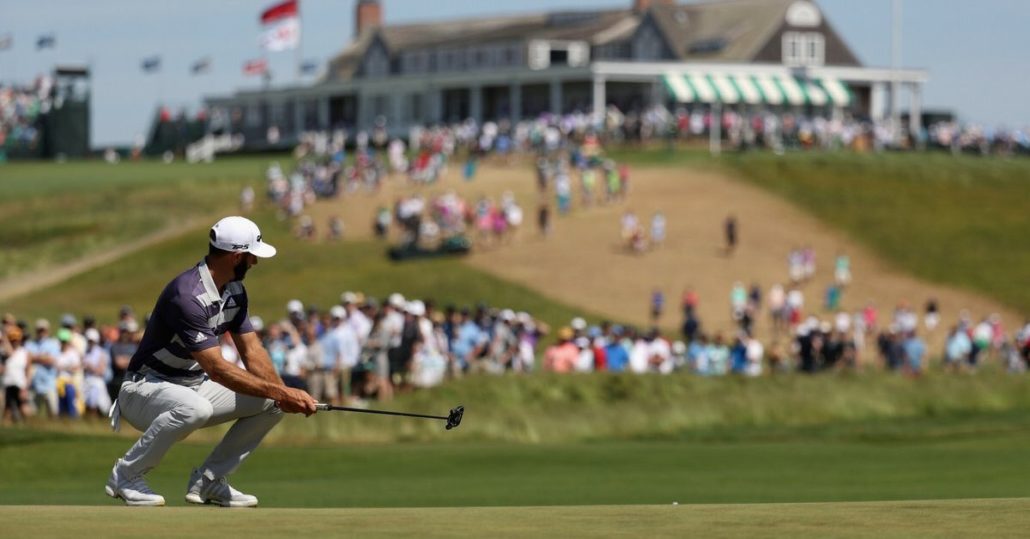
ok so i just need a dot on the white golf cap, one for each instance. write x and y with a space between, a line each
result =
579 324
240 235
396 300
349 297
295 306
338 312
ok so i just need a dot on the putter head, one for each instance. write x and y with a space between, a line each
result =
454 418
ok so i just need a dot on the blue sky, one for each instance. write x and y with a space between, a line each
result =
976 52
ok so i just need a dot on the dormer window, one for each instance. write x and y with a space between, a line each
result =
804 49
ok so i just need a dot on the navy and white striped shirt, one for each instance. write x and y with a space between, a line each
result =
189 316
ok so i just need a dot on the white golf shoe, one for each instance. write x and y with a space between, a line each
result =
203 489
132 490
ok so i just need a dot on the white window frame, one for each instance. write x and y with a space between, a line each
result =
815 49
793 48
579 53
804 49
539 55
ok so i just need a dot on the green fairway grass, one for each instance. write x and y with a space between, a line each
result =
881 520
57 212
316 273
45 468
608 454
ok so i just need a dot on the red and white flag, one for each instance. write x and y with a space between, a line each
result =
281 26
255 67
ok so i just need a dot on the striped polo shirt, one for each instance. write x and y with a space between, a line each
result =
189 316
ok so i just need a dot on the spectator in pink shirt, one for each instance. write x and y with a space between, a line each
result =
562 356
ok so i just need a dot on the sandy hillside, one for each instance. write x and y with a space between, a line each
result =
582 263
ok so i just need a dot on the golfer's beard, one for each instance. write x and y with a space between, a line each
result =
239 271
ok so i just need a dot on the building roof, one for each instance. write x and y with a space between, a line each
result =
715 31
720 31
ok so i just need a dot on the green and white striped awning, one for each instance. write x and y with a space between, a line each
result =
729 88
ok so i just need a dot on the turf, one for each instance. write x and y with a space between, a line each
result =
959 518
315 273
955 220
548 408
959 220
925 213
980 456
53 213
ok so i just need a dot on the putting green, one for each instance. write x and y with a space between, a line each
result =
953 518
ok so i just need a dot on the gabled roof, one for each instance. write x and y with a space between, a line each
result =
721 31
573 26
715 31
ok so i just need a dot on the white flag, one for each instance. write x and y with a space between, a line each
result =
281 27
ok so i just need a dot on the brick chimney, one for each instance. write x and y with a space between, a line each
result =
367 14
640 6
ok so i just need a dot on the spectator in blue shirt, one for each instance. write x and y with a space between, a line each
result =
43 351
738 356
915 350
615 353
469 341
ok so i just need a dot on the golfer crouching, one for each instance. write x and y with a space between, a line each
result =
178 382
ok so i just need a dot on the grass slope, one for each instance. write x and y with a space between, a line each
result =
53 213
549 409
954 220
959 518
314 273
959 220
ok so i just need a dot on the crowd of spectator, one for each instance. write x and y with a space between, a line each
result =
786 130
361 349
73 370
356 350
570 170
432 146
20 107
820 337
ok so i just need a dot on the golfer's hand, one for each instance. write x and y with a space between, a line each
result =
295 401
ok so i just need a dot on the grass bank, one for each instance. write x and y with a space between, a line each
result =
314 273
561 409
961 221
53 213
555 409
957 220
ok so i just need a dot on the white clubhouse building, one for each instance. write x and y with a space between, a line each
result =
742 54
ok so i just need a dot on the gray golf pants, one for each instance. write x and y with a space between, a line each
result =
167 412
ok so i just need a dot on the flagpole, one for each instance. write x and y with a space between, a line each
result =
160 84
3 63
896 23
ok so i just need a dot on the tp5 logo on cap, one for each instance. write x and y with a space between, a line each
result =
240 235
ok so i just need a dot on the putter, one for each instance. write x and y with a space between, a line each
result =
453 418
